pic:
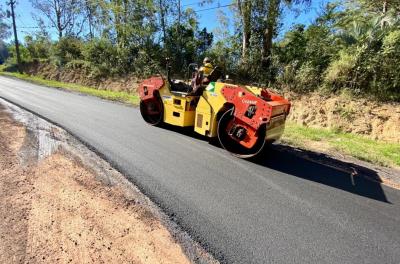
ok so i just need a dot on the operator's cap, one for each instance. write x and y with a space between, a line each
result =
206 60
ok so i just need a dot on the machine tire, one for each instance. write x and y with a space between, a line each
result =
231 145
154 119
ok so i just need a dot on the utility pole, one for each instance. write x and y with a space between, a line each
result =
11 4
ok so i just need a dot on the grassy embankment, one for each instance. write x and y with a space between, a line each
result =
326 140
123 97
377 152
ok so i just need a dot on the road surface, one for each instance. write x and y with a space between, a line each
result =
278 209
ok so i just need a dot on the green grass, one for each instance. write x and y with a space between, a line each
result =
123 97
377 152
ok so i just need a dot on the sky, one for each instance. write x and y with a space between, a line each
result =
207 18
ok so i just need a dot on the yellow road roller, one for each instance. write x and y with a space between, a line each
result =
243 118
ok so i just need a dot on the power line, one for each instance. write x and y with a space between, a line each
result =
192 4
35 27
20 20
212 8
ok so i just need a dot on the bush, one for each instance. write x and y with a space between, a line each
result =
101 55
368 68
38 47
67 49
81 65
3 52
339 73
107 59
387 84
99 51
303 79
287 77
145 66
23 51
307 78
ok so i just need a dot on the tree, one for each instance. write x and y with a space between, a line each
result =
3 52
304 53
38 46
379 6
267 14
259 25
270 11
205 40
62 14
162 11
4 26
133 22
90 12
245 10
192 41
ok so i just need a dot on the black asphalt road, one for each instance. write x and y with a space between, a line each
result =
278 209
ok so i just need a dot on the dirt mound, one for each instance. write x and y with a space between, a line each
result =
360 116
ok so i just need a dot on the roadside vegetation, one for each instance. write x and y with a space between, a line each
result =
122 97
328 140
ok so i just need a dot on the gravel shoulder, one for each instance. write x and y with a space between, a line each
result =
60 203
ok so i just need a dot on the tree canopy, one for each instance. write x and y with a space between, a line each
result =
352 44
4 26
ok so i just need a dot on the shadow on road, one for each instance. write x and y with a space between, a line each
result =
365 182
284 158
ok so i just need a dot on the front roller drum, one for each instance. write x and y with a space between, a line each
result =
229 137
152 111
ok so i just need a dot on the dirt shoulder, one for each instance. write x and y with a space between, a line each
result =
54 208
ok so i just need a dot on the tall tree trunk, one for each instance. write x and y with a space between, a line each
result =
179 40
58 18
245 10
246 43
89 10
268 32
117 9
162 18
59 27
385 7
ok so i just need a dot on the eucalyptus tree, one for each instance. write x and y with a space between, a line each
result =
245 8
259 25
4 26
63 15
380 6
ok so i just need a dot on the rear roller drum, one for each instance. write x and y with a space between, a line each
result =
152 111
229 137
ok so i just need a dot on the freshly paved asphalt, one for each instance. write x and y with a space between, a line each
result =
278 209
